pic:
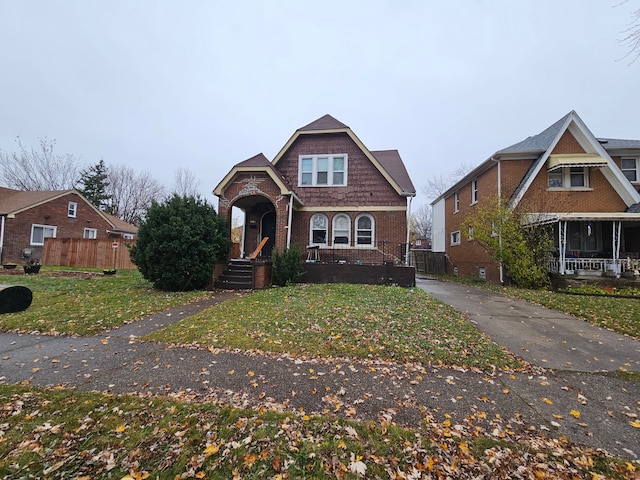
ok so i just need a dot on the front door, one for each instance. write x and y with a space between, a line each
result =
268 229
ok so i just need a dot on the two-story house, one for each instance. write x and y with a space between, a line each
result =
586 189
324 192
27 218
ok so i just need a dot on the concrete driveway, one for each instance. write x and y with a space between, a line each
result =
540 336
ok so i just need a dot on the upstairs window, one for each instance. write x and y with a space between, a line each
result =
322 170
72 210
577 177
474 192
456 202
40 232
569 177
629 167
341 230
318 230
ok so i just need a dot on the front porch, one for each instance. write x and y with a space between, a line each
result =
596 267
596 245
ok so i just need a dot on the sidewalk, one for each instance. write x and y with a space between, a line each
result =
119 362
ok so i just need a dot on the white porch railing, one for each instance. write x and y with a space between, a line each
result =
602 265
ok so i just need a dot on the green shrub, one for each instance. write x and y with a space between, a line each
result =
179 242
287 267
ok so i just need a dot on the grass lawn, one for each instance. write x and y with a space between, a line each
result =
343 320
86 305
60 433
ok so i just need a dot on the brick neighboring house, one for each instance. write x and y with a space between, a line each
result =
324 189
585 188
27 218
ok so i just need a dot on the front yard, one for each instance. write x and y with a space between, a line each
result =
342 320
64 433
87 302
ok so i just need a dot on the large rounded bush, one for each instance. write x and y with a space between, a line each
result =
179 243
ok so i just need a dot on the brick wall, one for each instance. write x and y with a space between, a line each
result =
389 233
469 257
567 144
365 184
53 213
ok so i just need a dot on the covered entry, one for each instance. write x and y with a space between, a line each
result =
258 223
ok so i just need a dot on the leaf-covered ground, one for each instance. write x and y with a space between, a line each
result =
343 320
60 433
87 304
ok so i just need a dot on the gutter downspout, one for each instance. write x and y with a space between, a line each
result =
2 236
289 220
406 253
501 268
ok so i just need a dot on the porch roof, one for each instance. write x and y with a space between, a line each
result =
546 218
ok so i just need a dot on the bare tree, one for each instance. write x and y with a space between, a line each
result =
631 36
186 183
438 184
421 221
38 168
131 193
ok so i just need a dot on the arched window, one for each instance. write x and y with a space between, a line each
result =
341 230
365 229
318 229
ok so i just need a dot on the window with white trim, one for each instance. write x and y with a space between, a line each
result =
569 177
629 167
127 236
470 234
90 233
365 230
474 191
456 202
455 237
40 232
72 210
322 170
318 229
341 230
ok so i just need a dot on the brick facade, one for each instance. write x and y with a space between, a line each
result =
52 213
367 191
365 184
599 196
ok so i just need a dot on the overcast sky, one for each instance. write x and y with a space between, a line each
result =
206 84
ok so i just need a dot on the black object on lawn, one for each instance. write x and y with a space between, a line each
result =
14 298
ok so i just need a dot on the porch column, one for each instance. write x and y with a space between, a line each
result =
616 247
562 241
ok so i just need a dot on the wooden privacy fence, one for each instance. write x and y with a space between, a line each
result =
426 261
88 253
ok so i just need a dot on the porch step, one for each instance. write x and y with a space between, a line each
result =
237 276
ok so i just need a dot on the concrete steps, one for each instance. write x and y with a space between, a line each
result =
237 276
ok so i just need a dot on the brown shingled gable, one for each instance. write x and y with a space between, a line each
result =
392 163
326 122
258 160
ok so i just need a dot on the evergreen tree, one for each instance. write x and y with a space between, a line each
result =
179 242
93 185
